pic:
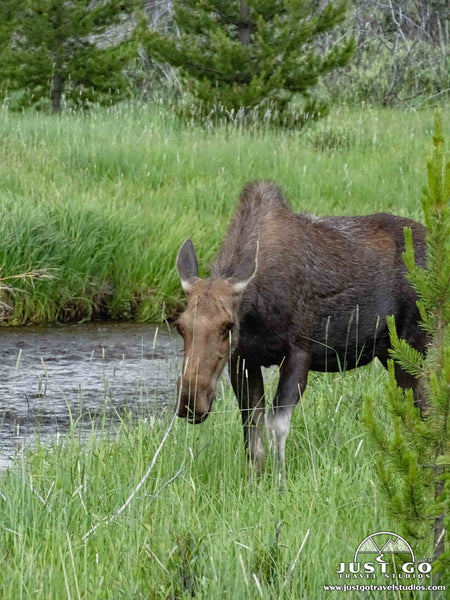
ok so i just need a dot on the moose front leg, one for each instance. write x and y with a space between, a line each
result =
248 385
292 383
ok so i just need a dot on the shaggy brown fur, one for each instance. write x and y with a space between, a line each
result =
297 291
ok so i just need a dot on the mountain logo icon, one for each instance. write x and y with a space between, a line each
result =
384 543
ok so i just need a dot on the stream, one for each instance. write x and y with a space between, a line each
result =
90 371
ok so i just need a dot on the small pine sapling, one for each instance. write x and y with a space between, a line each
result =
413 458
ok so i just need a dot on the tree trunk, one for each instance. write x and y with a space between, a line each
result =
57 89
244 24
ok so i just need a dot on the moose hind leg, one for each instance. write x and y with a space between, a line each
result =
248 385
406 380
418 340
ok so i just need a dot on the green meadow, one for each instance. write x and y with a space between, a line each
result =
103 201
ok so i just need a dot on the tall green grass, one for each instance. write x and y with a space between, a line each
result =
103 200
209 533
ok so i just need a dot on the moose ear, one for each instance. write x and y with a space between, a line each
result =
187 265
245 271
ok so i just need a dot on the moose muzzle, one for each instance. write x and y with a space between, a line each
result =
193 403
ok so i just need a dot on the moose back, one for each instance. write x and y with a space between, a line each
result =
297 291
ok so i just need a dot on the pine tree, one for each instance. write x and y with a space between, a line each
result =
254 56
413 462
53 49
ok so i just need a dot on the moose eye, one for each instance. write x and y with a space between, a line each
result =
228 327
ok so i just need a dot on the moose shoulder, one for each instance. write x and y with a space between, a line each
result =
297 291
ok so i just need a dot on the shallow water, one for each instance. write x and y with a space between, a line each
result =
86 370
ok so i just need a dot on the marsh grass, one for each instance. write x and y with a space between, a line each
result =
209 533
105 198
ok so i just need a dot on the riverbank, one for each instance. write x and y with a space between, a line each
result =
103 201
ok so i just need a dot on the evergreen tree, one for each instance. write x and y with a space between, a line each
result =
55 48
253 56
413 462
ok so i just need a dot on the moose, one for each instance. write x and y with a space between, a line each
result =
293 290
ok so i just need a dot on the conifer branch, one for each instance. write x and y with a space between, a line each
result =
413 460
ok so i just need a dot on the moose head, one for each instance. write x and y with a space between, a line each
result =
209 327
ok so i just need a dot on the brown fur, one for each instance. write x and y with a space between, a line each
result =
304 293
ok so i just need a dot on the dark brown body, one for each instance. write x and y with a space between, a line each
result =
313 293
324 285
